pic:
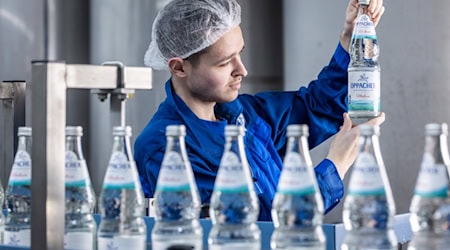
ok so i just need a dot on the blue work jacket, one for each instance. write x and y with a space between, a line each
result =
266 116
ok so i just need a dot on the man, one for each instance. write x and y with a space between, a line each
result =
200 43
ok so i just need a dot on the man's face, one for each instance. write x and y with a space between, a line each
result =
217 76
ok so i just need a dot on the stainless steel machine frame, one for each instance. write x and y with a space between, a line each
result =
49 83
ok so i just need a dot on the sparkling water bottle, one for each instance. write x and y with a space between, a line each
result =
80 227
297 208
177 202
18 194
369 207
121 201
430 206
363 70
234 205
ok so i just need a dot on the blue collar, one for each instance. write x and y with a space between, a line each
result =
230 111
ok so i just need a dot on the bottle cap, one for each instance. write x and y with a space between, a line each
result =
176 130
74 130
297 130
122 131
436 129
365 2
24 131
367 129
234 130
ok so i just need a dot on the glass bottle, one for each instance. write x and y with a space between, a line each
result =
430 206
18 194
369 207
121 201
234 205
364 69
297 209
177 202
80 227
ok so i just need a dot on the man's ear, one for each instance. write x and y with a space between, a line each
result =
177 66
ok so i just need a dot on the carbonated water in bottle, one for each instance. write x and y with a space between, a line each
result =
121 201
234 205
80 227
177 202
297 208
364 69
430 205
18 194
369 207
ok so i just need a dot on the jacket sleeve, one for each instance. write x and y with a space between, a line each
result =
330 184
320 105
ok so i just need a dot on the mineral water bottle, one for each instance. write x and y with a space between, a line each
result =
80 227
430 206
18 194
177 202
369 206
363 70
297 208
121 201
234 205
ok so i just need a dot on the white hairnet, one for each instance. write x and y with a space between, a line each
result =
185 27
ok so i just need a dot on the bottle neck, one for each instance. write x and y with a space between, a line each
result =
299 144
363 9
436 146
73 144
122 144
175 144
24 143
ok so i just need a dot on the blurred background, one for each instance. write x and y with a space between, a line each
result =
287 44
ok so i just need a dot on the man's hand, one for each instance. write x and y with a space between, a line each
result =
376 10
344 148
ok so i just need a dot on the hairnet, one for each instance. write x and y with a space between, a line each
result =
185 27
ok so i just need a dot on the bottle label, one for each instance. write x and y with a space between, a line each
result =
295 177
21 169
79 241
173 174
231 176
366 177
432 180
119 173
178 244
76 170
122 242
236 246
17 238
364 28
364 90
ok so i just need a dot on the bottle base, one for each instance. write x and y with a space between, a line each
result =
359 117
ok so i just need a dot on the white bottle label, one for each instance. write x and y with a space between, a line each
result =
432 180
122 242
173 176
295 177
364 28
119 173
366 178
236 246
196 244
230 176
364 89
18 238
75 170
79 241
21 169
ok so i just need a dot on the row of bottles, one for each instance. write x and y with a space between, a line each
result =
297 207
297 210
121 202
